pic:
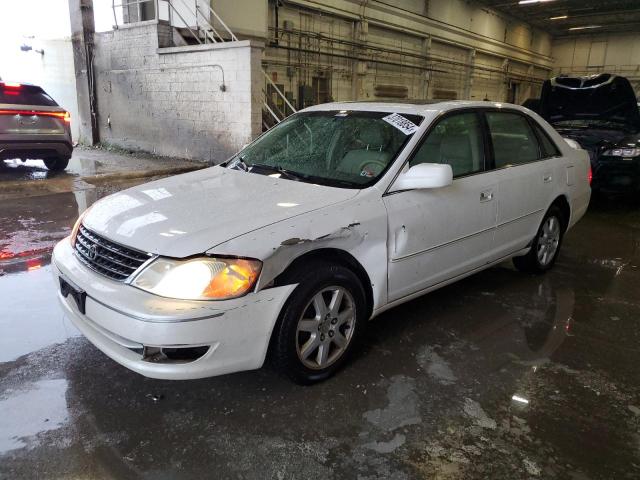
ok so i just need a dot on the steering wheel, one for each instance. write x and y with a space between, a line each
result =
375 166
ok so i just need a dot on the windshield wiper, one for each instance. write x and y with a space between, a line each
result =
299 177
277 169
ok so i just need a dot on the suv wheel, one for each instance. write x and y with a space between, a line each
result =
546 244
56 164
321 323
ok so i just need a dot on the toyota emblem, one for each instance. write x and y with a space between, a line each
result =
93 252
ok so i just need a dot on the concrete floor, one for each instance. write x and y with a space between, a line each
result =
502 375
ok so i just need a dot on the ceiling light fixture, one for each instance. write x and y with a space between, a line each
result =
559 17
529 2
586 27
519 399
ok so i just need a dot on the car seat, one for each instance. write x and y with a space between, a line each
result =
372 154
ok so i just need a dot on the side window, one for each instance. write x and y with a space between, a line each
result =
513 140
457 141
549 149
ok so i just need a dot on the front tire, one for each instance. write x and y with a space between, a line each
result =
321 323
546 244
56 164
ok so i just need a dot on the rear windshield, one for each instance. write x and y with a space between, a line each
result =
25 95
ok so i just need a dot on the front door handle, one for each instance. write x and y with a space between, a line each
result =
547 178
486 196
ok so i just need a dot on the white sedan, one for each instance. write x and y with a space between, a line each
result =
340 212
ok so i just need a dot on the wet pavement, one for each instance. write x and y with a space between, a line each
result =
87 167
502 375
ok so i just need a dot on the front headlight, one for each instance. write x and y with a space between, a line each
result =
622 152
199 278
76 227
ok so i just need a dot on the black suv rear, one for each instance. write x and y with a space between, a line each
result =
33 126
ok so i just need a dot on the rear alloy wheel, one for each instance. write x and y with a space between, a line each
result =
56 164
320 324
545 246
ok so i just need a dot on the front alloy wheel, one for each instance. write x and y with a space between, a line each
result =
326 327
321 323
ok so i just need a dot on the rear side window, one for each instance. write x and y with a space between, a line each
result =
456 141
549 149
25 95
513 139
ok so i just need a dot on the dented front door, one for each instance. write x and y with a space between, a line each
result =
438 234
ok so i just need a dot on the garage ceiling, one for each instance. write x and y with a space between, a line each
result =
606 15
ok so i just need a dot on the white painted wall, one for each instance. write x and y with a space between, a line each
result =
169 101
454 27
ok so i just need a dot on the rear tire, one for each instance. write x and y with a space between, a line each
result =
56 164
545 246
321 324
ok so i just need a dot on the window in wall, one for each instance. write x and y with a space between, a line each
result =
513 140
457 141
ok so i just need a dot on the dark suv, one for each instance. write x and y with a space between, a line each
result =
33 126
600 112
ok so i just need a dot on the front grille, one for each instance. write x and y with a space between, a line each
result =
106 257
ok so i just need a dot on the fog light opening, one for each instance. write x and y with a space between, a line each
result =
173 354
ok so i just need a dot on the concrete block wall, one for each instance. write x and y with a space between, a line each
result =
169 101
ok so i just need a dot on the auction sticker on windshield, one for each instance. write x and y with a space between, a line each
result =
403 124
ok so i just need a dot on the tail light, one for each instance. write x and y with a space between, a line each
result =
10 88
590 175
66 116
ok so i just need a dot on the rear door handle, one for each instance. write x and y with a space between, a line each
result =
486 196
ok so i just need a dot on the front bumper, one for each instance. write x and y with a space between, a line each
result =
123 322
617 175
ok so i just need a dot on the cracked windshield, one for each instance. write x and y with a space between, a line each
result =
336 148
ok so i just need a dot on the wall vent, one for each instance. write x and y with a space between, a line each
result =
392 91
441 94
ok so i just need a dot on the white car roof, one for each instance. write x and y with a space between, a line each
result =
416 107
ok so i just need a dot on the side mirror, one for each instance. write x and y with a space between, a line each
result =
424 175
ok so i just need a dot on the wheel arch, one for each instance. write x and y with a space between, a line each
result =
562 203
331 255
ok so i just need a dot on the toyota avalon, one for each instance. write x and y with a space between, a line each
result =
340 212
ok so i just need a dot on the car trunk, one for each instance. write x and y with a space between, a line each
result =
28 110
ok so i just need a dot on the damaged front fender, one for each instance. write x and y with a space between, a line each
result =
362 234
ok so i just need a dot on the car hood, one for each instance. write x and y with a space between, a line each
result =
604 98
188 214
630 141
